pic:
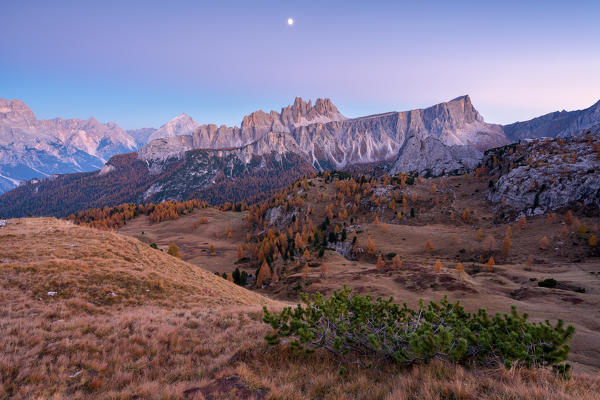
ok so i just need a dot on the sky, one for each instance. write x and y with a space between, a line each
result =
141 63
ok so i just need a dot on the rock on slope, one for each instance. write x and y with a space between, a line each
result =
32 148
547 174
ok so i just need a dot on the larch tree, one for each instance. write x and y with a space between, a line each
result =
298 242
522 222
306 255
506 245
544 243
264 274
371 249
397 261
428 245
211 249
479 235
174 250
466 215
459 268
529 261
490 263
380 263
438 266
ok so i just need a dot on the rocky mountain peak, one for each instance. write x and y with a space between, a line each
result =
15 109
182 124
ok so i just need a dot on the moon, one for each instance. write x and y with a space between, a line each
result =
290 21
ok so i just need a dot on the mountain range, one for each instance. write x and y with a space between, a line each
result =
32 149
268 150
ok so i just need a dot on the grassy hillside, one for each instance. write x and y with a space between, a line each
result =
94 314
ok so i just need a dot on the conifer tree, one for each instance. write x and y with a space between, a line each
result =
174 250
298 242
397 261
324 270
479 235
438 266
490 263
529 261
306 255
506 245
380 263
544 243
522 222
459 268
264 274
428 245
371 249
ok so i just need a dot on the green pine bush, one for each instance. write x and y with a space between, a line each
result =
379 328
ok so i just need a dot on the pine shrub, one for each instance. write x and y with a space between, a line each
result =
346 323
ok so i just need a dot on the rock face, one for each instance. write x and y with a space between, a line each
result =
430 157
559 123
330 141
542 175
32 148
257 124
182 124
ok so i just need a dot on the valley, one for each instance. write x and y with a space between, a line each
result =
513 279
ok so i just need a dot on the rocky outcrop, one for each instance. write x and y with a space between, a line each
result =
559 123
430 157
542 175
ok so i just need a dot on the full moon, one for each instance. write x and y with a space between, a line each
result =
290 21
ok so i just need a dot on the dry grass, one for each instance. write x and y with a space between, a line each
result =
172 330
290 374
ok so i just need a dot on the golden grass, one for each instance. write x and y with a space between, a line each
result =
102 268
172 330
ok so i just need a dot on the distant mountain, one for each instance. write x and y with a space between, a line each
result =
559 123
141 136
269 150
329 140
182 124
32 148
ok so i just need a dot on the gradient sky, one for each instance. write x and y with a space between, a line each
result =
140 63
